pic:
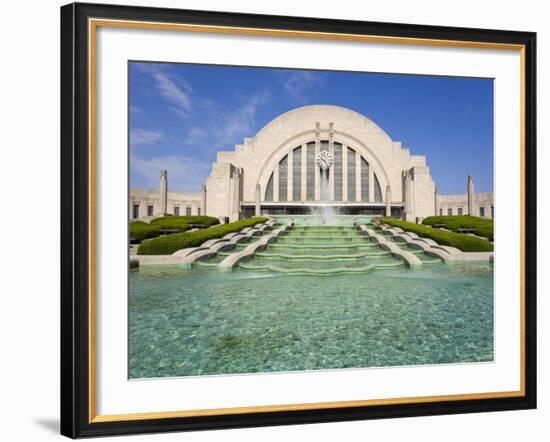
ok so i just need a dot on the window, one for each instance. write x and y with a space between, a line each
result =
482 211
460 211
324 191
492 212
297 174
269 189
351 175
310 172
199 211
188 210
364 180
440 212
283 179
449 211
337 171
377 190
176 210
135 211
149 210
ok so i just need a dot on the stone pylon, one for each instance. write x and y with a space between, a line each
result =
409 197
470 195
163 192
203 200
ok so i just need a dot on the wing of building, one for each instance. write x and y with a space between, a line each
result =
320 155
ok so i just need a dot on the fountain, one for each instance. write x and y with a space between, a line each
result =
324 244
325 211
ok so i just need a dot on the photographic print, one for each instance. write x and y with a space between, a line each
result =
287 220
274 220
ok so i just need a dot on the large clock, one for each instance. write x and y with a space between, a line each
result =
324 160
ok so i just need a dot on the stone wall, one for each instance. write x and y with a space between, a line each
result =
424 189
151 198
458 204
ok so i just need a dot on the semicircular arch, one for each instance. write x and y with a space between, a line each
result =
306 137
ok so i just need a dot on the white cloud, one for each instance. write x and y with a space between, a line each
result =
222 128
173 89
228 128
300 84
185 174
241 122
195 135
140 137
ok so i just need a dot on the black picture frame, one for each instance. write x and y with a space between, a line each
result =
75 220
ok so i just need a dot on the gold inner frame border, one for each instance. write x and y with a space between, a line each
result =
93 24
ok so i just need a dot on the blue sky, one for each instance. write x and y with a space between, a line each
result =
181 115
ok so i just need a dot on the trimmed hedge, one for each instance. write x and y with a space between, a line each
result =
482 226
140 230
173 222
166 245
461 241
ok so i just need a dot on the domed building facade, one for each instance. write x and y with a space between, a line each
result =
310 157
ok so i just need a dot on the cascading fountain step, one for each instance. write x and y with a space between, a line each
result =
294 270
423 256
327 257
322 250
314 239
343 233
213 261
409 248
321 246
204 263
428 259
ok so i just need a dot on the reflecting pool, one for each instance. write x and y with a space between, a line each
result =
203 321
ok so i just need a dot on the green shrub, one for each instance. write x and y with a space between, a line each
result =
482 226
461 241
166 245
169 222
140 231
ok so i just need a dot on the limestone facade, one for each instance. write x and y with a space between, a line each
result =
320 155
147 203
482 205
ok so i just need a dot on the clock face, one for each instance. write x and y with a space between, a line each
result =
324 160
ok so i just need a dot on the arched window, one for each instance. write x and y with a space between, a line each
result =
337 172
297 174
356 167
377 190
310 172
269 189
364 180
351 175
283 179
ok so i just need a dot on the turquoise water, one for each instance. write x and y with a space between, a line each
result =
203 321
